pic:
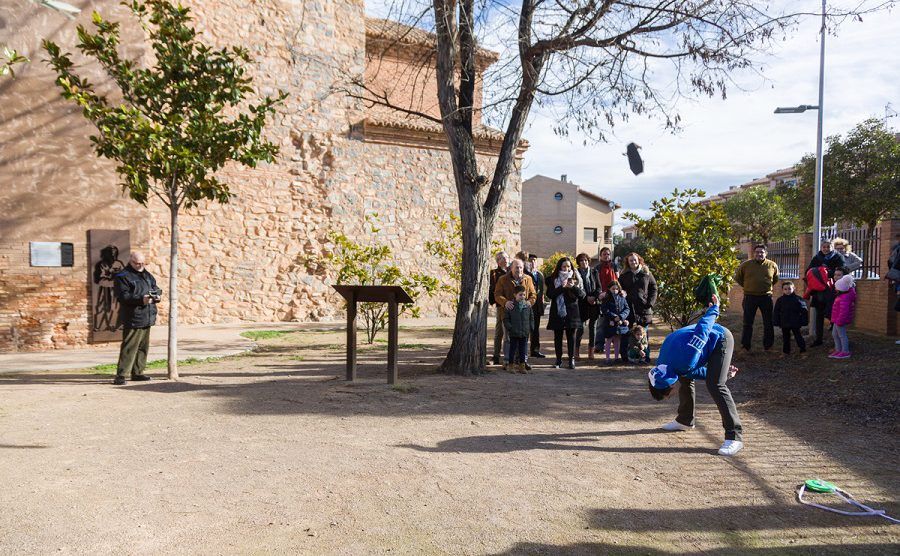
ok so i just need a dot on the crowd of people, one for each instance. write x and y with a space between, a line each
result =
613 308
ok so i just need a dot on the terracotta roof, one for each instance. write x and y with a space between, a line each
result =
408 35
594 196
415 123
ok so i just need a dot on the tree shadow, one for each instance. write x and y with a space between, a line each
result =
505 443
598 548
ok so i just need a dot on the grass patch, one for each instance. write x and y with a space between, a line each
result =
110 368
265 334
404 388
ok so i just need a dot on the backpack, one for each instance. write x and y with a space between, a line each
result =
817 280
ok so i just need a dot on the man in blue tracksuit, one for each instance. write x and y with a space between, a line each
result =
699 352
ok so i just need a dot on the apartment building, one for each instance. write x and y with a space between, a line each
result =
560 216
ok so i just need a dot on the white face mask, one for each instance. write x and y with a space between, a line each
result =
565 274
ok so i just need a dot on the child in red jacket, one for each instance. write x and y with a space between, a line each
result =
842 315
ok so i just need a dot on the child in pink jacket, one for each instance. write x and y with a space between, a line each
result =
842 315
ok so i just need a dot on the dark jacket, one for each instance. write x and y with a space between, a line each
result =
519 321
591 289
538 278
837 261
495 275
130 288
614 306
571 296
640 290
790 312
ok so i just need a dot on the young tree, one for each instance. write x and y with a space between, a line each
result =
591 61
370 264
860 177
686 241
762 215
10 58
179 122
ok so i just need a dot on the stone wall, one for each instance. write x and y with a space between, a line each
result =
246 260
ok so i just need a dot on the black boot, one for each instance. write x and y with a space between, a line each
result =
571 362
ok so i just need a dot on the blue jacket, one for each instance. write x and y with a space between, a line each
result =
686 351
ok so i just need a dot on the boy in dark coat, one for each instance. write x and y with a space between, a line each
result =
518 321
790 315
615 312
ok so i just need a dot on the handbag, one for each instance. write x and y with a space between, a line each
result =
893 275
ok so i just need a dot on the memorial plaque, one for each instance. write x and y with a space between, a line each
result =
109 251
52 253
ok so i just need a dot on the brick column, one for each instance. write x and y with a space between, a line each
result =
888 231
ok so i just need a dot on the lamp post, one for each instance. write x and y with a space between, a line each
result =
817 203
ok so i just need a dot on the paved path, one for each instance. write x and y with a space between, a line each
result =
199 341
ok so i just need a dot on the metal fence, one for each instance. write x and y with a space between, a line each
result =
866 246
786 255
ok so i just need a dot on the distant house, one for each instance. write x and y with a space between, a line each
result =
630 232
785 176
558 215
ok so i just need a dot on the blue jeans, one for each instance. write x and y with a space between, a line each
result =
841 341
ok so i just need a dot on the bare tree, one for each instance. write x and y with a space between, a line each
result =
591 62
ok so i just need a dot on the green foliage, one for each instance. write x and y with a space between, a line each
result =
447 250
687 241
861 177
762 215
180 120
265 334
110 368
370 264
9 59
624 246
549 264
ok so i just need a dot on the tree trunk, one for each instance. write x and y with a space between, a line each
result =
467 353
173 295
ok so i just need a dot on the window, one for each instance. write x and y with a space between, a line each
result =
590 235
607 234
629 235
557 230
558 196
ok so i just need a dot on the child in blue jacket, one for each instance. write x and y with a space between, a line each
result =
699 352
614 312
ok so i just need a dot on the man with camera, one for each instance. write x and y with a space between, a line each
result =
138 294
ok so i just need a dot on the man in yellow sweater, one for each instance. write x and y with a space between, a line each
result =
757 276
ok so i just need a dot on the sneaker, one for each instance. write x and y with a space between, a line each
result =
834 355
521 368
140 378
496 360
571 363
119 380
527 367
675 426
558 364
538 355
731 447
842 355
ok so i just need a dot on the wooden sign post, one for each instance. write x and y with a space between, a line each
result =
392 295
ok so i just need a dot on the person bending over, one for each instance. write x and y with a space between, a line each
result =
699 352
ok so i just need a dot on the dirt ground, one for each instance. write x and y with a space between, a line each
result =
273 452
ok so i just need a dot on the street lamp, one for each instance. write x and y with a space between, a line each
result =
817 203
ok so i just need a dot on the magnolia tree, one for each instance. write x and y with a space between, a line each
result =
588 62
686 241
180 120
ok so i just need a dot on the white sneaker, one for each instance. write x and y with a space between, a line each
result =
675 426
730 447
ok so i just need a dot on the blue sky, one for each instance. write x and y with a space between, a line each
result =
728 142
